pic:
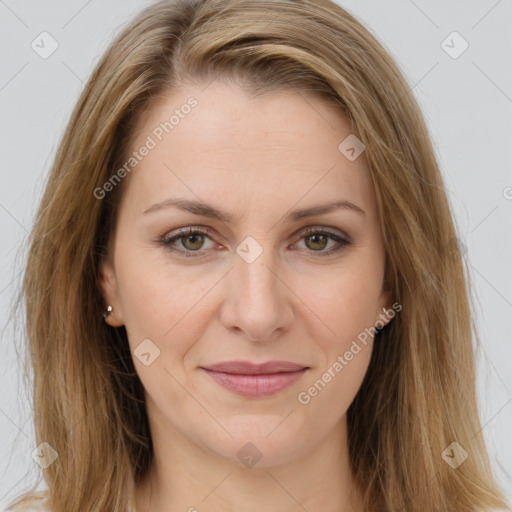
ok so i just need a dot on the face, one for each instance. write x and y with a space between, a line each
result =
253 273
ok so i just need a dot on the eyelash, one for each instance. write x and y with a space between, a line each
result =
169 238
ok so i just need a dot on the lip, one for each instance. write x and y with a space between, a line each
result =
255 380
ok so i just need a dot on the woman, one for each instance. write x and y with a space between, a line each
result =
244 278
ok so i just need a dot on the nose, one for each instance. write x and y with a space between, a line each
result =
257 301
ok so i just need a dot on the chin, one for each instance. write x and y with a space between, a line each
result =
261 441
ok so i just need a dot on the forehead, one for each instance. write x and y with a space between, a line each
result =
221 140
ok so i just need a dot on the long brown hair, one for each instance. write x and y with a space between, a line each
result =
418 396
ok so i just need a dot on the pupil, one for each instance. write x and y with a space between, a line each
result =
192 237
315 239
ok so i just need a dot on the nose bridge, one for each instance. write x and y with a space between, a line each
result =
258 280
256 275
257 300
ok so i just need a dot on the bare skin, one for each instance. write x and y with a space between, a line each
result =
257 160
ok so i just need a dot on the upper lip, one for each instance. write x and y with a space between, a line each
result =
247 368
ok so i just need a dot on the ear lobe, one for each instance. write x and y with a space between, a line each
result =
109 292
386 313
383 318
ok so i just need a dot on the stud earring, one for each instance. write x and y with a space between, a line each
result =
108 312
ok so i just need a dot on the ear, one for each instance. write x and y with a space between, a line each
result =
386 312
110 292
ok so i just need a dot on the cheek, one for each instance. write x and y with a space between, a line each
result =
346 352
345 303
328 394
161 302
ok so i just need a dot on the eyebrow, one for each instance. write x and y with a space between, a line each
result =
208 210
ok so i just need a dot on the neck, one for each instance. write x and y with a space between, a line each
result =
185 477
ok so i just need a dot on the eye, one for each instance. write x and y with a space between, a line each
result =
317 239
192 241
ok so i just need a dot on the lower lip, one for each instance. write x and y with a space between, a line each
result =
256 385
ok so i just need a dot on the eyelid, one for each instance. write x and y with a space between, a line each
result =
312 230
176 233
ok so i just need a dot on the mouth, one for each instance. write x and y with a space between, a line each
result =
255 380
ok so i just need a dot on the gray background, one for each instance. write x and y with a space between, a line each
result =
467 102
